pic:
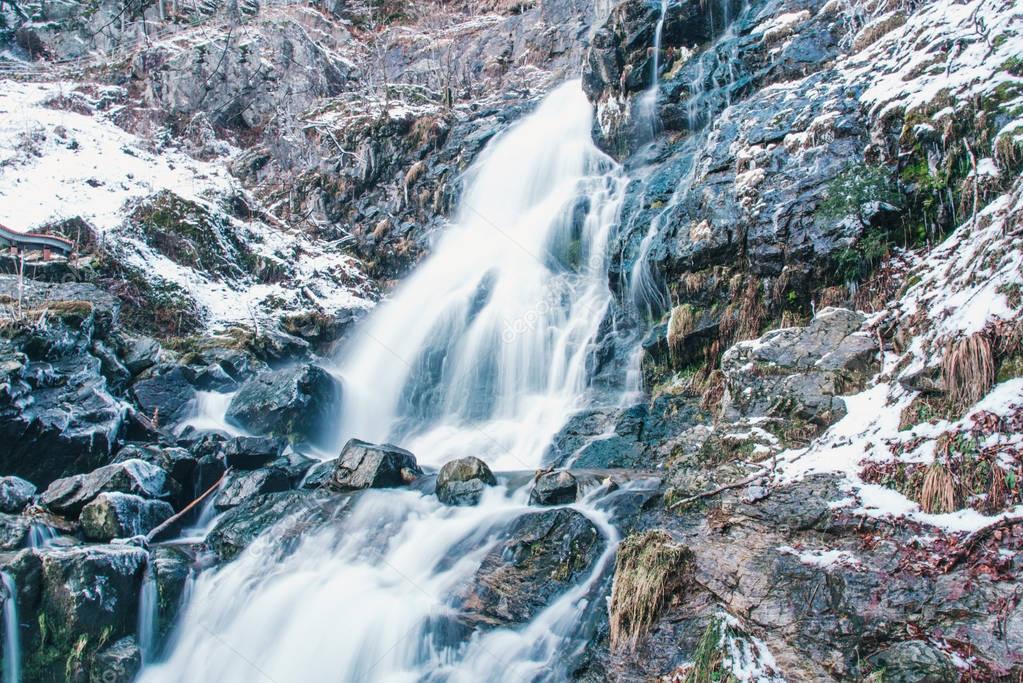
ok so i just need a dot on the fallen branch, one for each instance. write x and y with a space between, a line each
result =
158 530
707 494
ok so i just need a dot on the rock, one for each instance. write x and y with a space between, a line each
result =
545 554
914 661
139 354
241 485
87 596
363 465
554 488
14 531
294 465
171 566
165 393
122 515
462 481
15 494
179 464
319 475
241 525
298 404
119 662
252 452
799 372
69 495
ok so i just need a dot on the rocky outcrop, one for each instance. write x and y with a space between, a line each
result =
462 481
545 553
298 404
119 662
249 453
800 372
363 465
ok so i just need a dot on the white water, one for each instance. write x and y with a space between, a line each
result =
482 351
371 599
12 647
648 101
148 617
209 414
40 535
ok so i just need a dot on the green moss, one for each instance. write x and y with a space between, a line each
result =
708 658
1010 368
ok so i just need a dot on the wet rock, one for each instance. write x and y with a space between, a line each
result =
171 566
179 464
462 481
363 465
122 515
14 531
69 495
79 617
165 393
298 404
139 354
800 372
914 661
240 485
554 488
15 494
119 662
319 475
545 554
240 526
252 452
294 465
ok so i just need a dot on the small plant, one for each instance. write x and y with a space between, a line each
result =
939 492
853 190
968 368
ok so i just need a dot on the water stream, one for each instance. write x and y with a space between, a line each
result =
12 648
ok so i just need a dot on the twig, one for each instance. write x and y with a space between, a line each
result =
720 489
158 530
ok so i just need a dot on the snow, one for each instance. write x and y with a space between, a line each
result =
57 164
747 657
822 558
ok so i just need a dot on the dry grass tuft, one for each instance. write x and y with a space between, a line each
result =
968 369
680 325
939 492
650 568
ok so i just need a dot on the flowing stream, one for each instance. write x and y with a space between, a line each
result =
482 351
12 649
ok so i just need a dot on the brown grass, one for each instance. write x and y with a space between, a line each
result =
680 325
939 492
649 570
968 368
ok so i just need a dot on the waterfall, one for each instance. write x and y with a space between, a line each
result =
148 618
12 646
209 414
483 350
40 535
648 101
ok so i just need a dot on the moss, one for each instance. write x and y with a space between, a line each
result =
709 657
1010 368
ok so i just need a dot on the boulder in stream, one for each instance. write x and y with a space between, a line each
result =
122 515
554 488
15 494
364 465
69 495
462 481
298 404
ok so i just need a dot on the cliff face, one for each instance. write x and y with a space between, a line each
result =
816 271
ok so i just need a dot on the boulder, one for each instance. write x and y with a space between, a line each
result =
241 525
69 495
318 475
252 452
363 465
240 485
14 531
914 661
119 662
165 393
15 494
799 372
179 464
544 555
171 566
122 515
139 354
554 488
298 404
462 481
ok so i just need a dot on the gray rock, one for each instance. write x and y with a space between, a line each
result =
139 354
462 481
554 488
171 566
799 372
122 515
298 404
252 452
69 495
14 531
119 662
15 494
545 554
242 485
363 465
179 464
319 475
165 393
914 661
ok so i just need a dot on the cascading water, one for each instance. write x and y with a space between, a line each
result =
482 351
648 101
12 646
491 334
40 535
148 617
